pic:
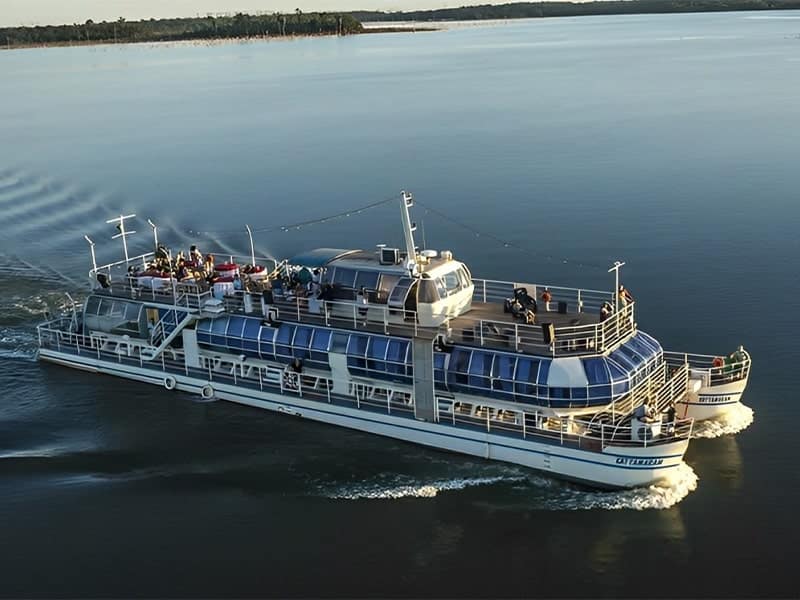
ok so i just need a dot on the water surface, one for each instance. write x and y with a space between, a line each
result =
664 141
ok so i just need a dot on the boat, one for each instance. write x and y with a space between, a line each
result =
720 383
401 342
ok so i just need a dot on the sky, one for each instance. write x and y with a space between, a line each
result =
53 12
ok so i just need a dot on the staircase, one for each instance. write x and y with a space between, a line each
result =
657 390
160 339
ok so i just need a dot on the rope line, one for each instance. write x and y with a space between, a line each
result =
300 224
507 243
358 210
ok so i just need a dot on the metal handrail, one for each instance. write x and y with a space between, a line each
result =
525 424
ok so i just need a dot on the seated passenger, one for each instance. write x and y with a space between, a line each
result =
237 282
195 256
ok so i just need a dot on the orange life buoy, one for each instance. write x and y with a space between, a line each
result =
717 362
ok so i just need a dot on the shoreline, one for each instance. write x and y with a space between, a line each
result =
218 41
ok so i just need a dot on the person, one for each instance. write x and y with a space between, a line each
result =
671 412
547 297
362 302
208 265
625 296
195 255
605 311
237 282
181 272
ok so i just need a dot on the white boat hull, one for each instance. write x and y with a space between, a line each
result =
711 402
614 467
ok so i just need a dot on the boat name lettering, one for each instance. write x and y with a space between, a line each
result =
640 461
714 399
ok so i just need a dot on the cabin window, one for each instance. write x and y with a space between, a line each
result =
344 278
368 280
463 278
427 292
451 282
92 305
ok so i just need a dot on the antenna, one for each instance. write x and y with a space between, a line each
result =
616 269
252 250
407 201
91 248
120 221
155 233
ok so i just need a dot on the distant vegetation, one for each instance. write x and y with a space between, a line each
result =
522 10
299 23
211 27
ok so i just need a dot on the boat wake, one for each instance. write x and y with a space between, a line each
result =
663 495
738 419
17 343
529 492
382 491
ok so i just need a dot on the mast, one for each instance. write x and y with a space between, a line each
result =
406 202
120 221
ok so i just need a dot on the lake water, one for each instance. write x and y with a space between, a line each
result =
665 141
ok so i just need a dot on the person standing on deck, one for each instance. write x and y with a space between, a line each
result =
362 302
547 297
625 296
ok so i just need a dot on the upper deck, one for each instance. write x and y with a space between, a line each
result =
568 325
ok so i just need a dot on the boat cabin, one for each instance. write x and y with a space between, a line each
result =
433 285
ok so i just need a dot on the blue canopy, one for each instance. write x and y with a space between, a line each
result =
319 257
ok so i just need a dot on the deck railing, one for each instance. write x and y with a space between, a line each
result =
733 368
517 422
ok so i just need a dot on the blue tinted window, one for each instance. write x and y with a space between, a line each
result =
527 371
235 326
396 356
438 366
356 352
301 342
250 335
204 331
283 340
267 346
218 328
457 371
596 371
503 372
376 353
480 368
319 345
619 378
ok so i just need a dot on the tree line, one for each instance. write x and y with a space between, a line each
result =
522 10
162 30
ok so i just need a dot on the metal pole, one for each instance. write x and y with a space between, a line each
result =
94 258
252 250
615 268
155 233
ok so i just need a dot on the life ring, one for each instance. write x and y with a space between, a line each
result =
717 362
290 380
170 382
207 392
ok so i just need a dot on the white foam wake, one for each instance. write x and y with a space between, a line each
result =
737 419
665 494
378 491
16 343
